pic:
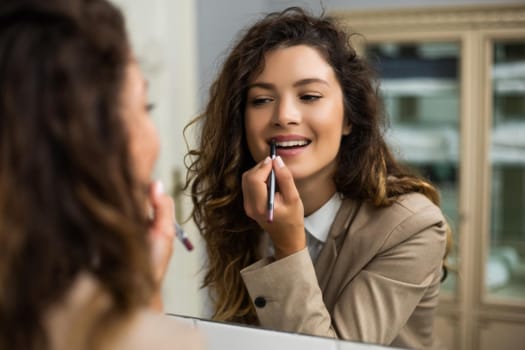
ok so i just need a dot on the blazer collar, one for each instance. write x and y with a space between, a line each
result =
328 255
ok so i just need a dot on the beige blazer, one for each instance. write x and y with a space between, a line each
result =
80 322
376 279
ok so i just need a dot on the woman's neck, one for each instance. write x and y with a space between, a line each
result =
314 194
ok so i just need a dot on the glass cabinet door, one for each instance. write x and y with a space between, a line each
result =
420 88
505 259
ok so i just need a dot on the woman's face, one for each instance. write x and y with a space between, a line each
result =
143 137
297 101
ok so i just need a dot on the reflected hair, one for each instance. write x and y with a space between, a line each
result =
69 200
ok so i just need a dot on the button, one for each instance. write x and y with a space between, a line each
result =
259 302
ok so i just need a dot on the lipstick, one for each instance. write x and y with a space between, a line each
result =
271 183
181 235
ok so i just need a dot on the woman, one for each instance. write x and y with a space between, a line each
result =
356 245
85 237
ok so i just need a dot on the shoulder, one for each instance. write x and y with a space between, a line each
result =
150 330
84 316
408 215
414 207
414 202
416 211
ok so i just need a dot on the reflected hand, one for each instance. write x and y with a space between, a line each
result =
287 229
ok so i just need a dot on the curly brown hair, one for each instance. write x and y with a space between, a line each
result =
366 169
69 200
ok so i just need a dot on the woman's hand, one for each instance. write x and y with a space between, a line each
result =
161 235
287 229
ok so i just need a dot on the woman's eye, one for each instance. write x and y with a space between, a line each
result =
310 97
261 101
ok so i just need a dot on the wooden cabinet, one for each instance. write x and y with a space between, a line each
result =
453 84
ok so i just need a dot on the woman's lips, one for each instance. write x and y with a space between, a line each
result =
290 145
292 151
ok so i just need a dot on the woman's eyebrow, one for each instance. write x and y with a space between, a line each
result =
262 85
306 81
310 81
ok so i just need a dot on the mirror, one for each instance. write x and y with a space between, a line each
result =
182 43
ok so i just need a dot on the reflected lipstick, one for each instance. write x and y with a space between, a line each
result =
271 183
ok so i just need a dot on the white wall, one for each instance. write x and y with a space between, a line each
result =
163 35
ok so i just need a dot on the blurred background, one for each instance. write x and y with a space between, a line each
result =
452 78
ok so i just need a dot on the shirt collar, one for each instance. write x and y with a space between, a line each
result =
319 222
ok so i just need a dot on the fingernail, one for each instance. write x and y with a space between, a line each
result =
159 188
267 160
280 162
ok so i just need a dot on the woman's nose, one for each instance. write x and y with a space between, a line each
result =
286 112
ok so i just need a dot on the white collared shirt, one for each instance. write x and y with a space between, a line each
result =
317 225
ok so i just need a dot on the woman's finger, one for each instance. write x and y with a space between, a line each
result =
288 191
164 210
254 188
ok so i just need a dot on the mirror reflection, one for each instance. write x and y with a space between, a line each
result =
422 88
298 197
505 264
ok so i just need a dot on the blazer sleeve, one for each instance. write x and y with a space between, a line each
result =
372 306
287 296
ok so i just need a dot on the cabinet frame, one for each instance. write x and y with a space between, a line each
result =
474 28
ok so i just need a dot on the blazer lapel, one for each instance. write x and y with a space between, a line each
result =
328 255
